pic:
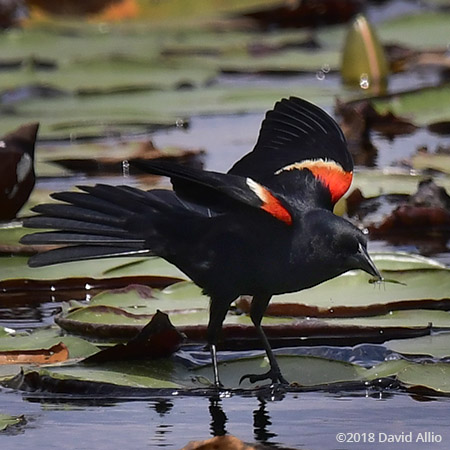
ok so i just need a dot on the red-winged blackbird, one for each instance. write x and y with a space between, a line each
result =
16 169
264 228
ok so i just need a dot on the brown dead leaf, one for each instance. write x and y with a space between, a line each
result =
159 338
297 14
55 354
219 443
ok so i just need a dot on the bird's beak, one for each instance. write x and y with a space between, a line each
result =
364 262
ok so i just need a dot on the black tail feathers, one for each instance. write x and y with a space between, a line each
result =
99 221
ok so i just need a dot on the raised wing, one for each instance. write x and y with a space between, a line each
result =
297 135
218 190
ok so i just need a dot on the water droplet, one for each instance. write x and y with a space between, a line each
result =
320 75
52 288
175 393
364 81
180 123
325 68
87 286
125 168
103 28
225 394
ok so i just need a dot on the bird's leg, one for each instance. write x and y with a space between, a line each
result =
217 311
259 305
213 351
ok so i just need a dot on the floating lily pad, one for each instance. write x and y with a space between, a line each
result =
377 182
13 268
434 345
46 339
158 375
438 162
7 421
422 30
410 318
434 377
301 370
423 106
421 288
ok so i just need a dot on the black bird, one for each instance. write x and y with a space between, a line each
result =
264 228
16 169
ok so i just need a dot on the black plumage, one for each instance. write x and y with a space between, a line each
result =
264 228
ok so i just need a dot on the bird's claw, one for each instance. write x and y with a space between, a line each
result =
273 375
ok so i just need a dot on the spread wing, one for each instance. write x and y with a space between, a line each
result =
299 136
218 190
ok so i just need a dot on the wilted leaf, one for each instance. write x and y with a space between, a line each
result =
304 14
159 338
108 379
54 354
226 442
46 342
109 159
425 212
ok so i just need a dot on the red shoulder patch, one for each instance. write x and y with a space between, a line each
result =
270 203
330 174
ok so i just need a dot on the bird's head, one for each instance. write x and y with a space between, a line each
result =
338 246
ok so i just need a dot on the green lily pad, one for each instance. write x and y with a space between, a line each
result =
422 30
435 377
422 106
16 268
4 332
410 318
424 161
47 338
7 421
117 75
288 61
385 369
376 182
159 374
418 289
434 345
301 370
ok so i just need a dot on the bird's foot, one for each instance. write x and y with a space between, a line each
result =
274 375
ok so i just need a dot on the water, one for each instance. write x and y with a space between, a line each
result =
307 420
298 420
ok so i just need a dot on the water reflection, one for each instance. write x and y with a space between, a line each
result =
218 417
163 407
261 422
